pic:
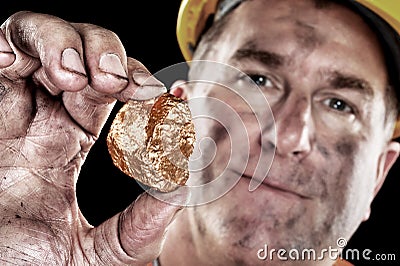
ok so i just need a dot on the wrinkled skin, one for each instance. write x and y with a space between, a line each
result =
332 150
44 141
52 109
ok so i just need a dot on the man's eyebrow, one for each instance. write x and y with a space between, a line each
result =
340 80
267 58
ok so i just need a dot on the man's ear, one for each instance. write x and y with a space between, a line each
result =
386 161
181 89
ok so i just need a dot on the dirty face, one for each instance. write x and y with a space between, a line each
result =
324 76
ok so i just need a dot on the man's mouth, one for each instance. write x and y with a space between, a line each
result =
277 187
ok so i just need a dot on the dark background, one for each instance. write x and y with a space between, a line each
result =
147 29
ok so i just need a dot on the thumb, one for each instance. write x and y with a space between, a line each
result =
136 235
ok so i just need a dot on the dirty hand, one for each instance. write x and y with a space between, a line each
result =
58 84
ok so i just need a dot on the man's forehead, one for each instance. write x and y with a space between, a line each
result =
311 26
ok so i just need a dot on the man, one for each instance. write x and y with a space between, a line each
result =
334 111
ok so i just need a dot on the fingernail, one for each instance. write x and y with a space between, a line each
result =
6 59
145 79
176 215
4 46
143 93
149 86
111 63
72 62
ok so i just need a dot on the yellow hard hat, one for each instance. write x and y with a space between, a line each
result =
194 15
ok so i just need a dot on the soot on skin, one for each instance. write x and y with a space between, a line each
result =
345 147
324 151
3 91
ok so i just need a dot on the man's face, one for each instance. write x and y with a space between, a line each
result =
324 77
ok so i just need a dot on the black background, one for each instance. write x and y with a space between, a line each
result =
147 29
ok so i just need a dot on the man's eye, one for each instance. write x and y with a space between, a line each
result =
261 80
338 105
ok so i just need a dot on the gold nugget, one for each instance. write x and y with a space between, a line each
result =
152 140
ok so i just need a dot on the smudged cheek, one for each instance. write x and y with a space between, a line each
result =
358 171
346 180
351 164
334 165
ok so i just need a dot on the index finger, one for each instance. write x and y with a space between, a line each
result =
48 45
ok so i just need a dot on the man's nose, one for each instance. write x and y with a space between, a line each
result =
294 127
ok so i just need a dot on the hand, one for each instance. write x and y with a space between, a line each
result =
58 84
